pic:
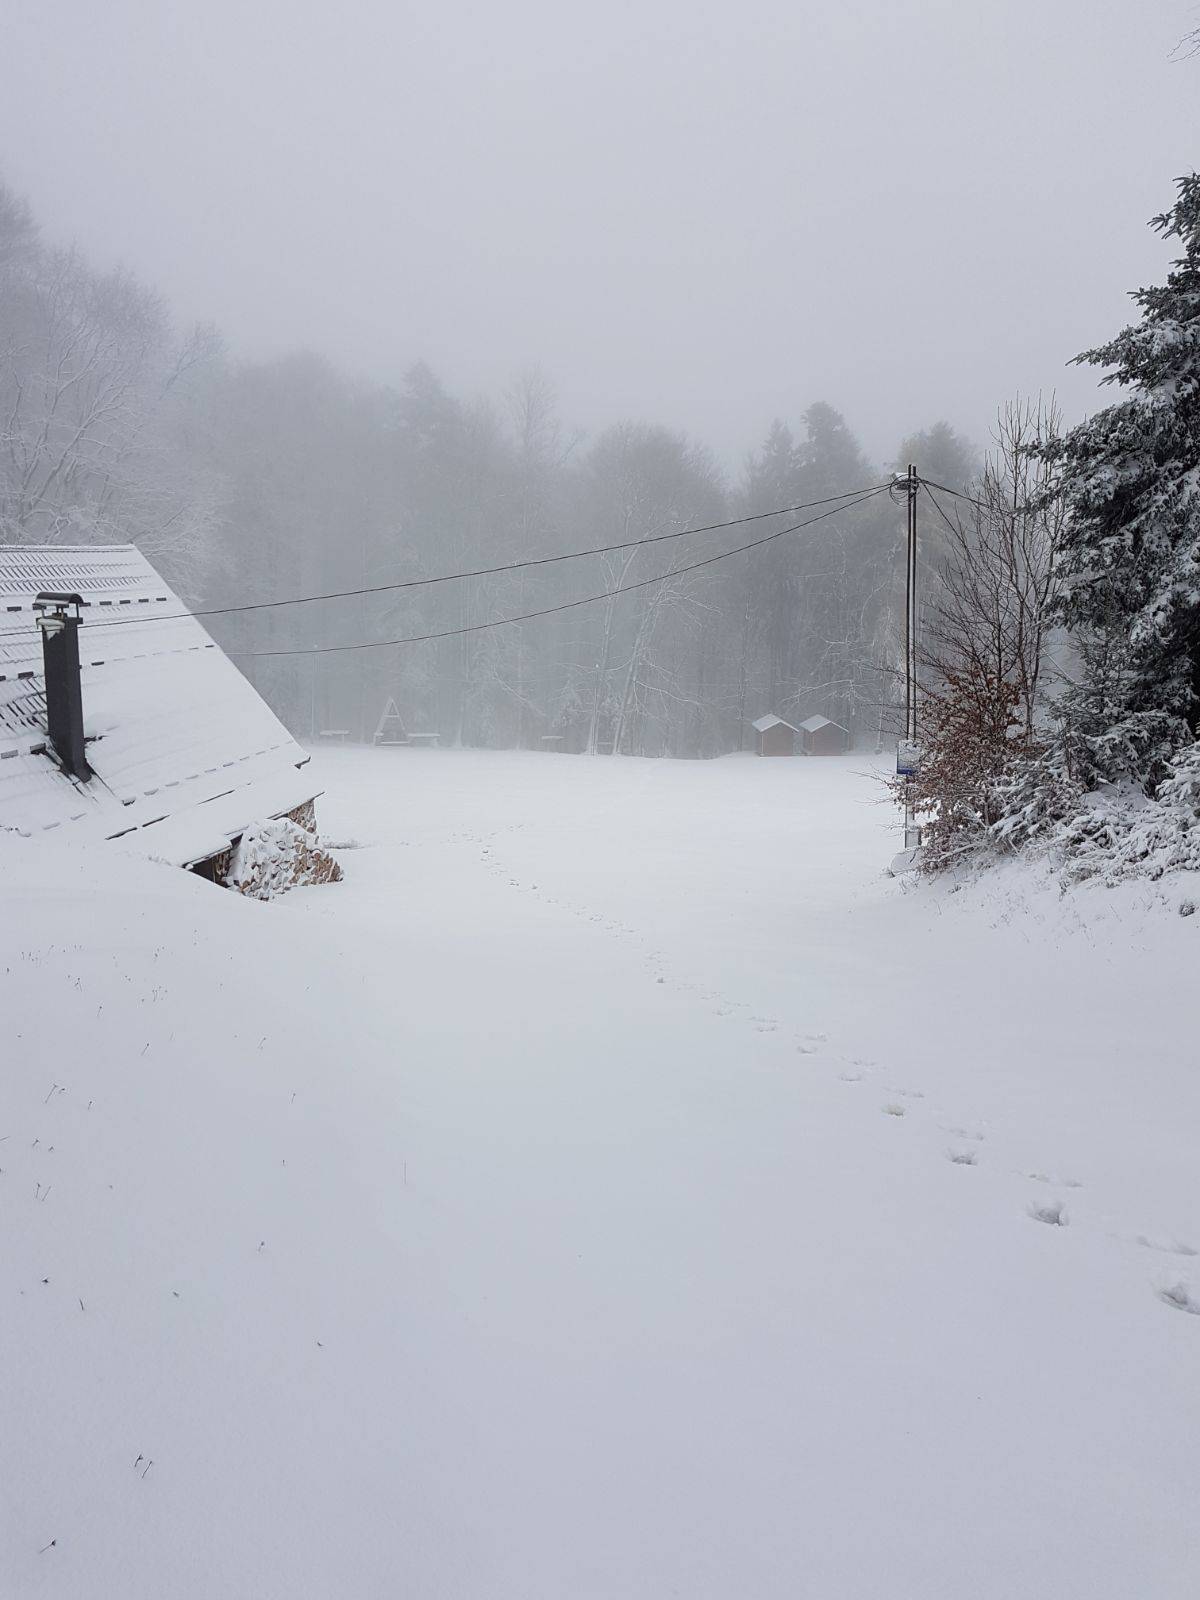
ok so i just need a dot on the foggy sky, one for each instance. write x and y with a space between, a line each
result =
702 214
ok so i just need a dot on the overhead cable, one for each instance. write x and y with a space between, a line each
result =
482 572
569 605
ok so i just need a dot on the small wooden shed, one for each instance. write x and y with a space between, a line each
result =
775 736
820 736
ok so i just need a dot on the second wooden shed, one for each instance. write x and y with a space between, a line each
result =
775 736
820 736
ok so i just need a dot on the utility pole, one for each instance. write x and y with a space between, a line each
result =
910 621
908 754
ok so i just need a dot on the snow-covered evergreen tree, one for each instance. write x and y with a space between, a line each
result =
1131 562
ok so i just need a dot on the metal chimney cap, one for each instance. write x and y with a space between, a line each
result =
52 600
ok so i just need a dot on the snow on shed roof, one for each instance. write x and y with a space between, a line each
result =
184 752
815 724
764 723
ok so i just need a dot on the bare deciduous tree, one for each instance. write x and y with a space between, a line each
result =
92 385
990 615
986 634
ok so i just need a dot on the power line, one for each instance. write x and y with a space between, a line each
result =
569 605
937 505
1023 509
957 493
538 561
480 572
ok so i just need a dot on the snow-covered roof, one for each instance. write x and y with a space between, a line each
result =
184 753
815 724
764 723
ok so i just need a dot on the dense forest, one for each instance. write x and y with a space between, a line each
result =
1057 636
249 482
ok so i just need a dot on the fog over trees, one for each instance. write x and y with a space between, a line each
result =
255 481
600 799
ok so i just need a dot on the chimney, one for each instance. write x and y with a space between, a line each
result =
59 621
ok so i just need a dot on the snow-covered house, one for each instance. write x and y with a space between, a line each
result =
121 719
821 736
775 736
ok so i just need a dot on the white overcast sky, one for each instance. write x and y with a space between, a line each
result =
702 214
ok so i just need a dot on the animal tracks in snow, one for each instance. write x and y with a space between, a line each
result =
1051 1212
897 1108
656 965
1180 1296
903 1104
1173 1249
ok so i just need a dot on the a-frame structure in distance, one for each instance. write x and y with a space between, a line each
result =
390 729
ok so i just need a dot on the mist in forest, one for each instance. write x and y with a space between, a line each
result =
307 300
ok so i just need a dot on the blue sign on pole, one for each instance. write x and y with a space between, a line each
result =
908 759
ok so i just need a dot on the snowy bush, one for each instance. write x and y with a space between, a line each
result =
985 786
1029 804
1033 801
1122 834
272 857
985 791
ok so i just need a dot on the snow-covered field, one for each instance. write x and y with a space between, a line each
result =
617 1187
